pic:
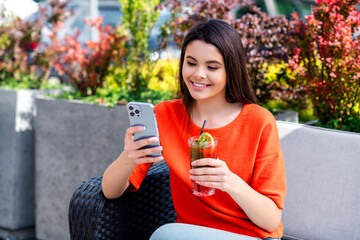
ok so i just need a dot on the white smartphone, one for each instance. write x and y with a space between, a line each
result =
143 114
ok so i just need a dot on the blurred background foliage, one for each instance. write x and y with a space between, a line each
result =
288 54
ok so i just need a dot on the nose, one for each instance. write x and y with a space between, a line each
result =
200 73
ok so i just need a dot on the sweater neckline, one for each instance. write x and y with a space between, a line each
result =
244 111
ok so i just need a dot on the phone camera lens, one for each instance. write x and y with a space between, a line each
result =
137 111
132 114
131 108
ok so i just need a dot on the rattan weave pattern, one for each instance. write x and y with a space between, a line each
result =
133 216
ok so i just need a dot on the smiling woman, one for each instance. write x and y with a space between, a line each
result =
250 185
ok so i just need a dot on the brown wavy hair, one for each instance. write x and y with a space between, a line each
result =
228 41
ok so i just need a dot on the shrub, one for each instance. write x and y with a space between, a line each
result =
19 47
264 37
139 17
17 39
161 85
53 14
163 76
326 60
87 66
121 71
284 90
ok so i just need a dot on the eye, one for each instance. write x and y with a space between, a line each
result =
191 64
213 68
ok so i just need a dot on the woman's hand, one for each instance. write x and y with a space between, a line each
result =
116 177
132 151
215 174
261 210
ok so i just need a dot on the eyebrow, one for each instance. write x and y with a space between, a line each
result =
211 61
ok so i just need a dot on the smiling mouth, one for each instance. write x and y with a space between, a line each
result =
199 85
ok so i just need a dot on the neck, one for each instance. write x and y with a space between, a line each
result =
216 113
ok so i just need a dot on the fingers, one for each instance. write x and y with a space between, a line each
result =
131 131
208 169
139 156
202 176
135 152
211 172
215 181
140 143
208 162
139 153
205 171
208 178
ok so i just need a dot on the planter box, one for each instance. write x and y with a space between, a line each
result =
287 116
74 142
17 206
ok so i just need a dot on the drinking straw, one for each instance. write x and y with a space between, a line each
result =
202 129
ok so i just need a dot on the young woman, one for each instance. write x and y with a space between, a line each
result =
248 175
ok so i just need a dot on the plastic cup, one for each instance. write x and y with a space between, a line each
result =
200 150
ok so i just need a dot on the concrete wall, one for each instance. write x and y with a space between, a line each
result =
17 163
323 182
74 142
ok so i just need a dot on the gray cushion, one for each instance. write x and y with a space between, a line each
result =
323 182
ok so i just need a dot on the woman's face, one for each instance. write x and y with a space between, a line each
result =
203 71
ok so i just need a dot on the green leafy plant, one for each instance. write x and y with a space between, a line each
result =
87 66
284 90
121 70
326 61
265 38
19 47
351 124
139 17
18 37
161 85
163 76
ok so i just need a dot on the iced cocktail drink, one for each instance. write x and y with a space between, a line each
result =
202 148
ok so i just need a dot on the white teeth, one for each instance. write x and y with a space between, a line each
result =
199 85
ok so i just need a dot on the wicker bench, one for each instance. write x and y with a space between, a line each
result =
135 215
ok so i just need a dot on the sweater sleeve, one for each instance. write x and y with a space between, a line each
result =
138 175
269 171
